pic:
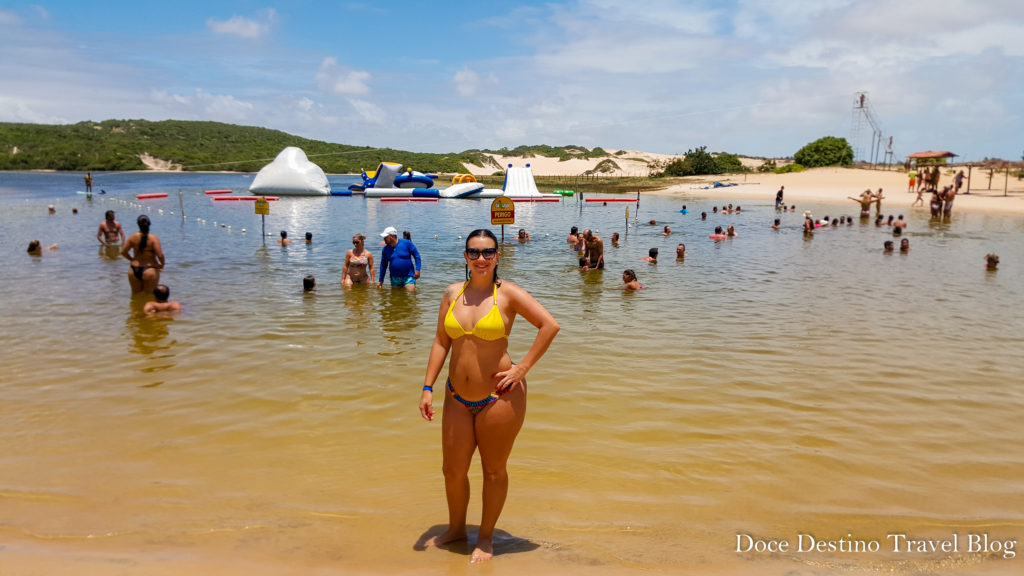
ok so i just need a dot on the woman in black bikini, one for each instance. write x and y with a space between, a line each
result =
146 256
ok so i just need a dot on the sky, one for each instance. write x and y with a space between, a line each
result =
751 77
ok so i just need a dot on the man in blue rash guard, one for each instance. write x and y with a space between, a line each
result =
398 254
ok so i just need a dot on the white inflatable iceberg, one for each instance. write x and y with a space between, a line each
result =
291 174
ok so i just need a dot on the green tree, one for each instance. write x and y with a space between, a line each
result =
696 162
827 151
728 163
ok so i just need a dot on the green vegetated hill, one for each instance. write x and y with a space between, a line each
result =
117 145
563 153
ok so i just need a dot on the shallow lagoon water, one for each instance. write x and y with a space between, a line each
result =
767 385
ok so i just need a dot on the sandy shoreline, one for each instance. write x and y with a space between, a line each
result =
837 184
814 185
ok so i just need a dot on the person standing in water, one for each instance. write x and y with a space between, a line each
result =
88 182
402 257
144 252
865 203
110 232
358 268
485 397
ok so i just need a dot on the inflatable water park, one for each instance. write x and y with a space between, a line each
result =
292 174
392 180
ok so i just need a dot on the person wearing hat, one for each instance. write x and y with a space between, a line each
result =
402 257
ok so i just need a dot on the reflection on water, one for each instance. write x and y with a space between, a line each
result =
399 317
770 384
110 252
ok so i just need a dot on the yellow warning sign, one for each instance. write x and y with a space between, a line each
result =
503 211
262 206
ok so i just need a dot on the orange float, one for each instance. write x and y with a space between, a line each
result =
463 178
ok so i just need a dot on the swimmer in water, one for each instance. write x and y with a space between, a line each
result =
163 305
631 283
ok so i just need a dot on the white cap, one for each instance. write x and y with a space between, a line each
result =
389 231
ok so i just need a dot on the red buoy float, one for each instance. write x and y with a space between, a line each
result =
156 195
209 192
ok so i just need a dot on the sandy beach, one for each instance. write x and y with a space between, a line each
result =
836 184
813 185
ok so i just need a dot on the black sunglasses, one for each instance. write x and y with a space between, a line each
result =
487 253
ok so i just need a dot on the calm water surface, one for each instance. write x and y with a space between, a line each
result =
768 385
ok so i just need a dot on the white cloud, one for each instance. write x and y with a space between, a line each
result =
468 83
336 79
165 98
653 36
244 27
670 14
369 112
41 13
20 110
9 17
204 106
223 107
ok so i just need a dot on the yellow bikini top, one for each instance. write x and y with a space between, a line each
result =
490 327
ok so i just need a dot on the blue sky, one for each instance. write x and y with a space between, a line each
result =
744 76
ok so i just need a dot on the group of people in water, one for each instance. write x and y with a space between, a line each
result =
941 202
399 257
143 252
146 261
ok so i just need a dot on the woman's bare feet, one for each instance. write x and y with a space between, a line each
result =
447 538
483 552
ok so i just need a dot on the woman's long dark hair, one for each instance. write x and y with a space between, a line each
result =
486 234
143 223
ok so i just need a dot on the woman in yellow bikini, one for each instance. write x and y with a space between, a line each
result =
485 394
358 268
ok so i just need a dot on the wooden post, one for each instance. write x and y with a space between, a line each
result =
969 168
1006 182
